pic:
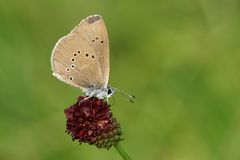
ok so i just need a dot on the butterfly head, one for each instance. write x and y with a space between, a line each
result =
110 91
99 92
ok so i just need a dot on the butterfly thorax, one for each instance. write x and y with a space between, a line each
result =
99 92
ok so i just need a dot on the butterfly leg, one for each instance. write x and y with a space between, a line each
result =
86 98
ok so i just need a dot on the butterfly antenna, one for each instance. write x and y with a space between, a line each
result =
129 97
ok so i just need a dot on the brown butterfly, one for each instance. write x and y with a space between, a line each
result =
81 58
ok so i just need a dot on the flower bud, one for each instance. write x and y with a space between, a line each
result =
89 120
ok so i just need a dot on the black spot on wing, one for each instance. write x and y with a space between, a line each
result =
93 19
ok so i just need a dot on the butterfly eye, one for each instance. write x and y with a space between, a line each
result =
72 65
93 56
101 41
109 91
73 59
71 78
87 55
75 54
78 51
67 69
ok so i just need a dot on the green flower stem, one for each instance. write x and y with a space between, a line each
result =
122 152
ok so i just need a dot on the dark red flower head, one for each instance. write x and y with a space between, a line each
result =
89 120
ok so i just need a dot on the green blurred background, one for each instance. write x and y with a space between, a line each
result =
181 60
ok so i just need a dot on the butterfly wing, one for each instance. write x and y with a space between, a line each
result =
94 31
75 62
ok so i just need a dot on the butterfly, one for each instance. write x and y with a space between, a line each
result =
81 58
